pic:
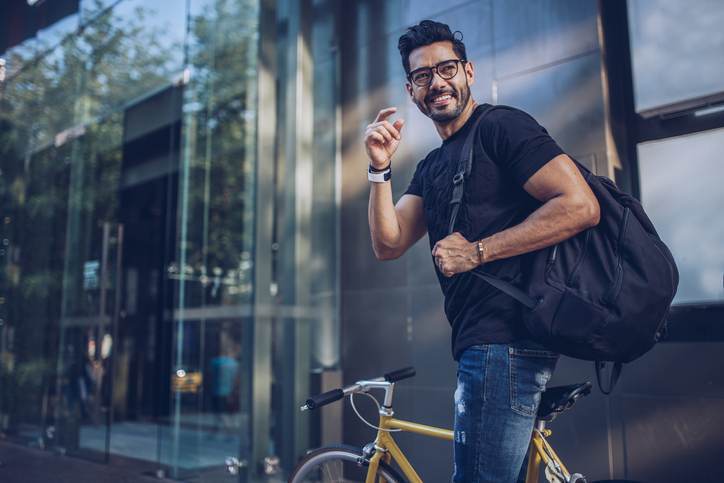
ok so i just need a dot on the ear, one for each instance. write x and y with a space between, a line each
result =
470 72
408 88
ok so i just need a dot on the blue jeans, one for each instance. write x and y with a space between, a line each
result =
497 396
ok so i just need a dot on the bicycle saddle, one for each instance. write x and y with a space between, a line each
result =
555 400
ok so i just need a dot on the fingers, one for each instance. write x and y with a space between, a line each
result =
384 132
376 136
385 113
386 129
380 135
444 268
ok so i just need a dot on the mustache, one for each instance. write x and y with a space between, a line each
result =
432 95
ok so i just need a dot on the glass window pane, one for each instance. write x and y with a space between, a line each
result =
144 56
677 50
681 190
213 327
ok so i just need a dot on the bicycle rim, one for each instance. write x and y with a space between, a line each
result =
338 465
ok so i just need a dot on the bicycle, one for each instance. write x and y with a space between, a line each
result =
373 462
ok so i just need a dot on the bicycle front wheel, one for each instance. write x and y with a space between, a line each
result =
339 464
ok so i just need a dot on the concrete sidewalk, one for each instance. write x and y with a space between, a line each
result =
20 464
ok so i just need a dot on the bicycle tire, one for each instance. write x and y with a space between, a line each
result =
338 464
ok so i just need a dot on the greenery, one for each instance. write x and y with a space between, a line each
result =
61 132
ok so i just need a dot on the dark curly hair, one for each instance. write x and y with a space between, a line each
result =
426 33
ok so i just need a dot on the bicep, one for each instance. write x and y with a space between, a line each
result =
411 218
560 177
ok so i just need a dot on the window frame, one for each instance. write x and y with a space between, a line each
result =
687 321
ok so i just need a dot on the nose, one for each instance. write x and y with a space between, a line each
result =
437 82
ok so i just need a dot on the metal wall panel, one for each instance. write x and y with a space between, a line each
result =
529 35
566 99
375 332
673 439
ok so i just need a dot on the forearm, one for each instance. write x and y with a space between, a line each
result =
384 226
556 220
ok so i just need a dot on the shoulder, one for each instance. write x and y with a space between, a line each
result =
505 127
504 116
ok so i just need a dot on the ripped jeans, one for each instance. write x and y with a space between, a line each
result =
497 396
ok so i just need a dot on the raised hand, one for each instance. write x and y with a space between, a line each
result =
382 138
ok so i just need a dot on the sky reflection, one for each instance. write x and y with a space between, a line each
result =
681 190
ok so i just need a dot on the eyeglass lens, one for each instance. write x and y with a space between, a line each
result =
446 70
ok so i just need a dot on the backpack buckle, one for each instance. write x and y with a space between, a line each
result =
458 178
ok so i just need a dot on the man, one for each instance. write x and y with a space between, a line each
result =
523 194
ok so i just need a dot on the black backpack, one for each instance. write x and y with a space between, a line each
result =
602 295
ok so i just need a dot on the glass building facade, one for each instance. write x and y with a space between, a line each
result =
156 304
184 247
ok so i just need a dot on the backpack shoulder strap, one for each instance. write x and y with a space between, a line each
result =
465 165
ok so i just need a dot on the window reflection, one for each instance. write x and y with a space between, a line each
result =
681 190
676 50
127 239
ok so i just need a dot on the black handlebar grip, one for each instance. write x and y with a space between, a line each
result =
400 374
325 398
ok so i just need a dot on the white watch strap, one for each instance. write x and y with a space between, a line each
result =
380 177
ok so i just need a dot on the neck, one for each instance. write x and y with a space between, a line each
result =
449 128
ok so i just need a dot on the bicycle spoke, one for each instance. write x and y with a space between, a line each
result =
328 471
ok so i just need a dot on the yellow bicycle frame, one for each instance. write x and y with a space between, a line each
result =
386 450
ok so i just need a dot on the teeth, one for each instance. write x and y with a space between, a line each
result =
442 98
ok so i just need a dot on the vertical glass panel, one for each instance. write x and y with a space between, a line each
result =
681 190
90 288
214 269
676 50
34 177
114 365
305 252
33 202
324 230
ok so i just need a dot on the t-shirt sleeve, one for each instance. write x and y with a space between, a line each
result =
518 143
415 186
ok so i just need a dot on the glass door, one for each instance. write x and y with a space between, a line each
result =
116 335
91 293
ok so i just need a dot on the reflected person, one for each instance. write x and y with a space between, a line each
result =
224 371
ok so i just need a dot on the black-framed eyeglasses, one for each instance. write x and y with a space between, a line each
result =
447 69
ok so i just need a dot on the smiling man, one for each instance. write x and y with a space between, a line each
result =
523 194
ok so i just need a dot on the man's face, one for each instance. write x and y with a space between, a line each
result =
442 100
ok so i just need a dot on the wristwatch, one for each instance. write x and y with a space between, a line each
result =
379 176
481 252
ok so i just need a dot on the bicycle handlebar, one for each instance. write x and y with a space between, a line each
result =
325 398
321 399
400 374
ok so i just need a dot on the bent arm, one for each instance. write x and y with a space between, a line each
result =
394 228
569 207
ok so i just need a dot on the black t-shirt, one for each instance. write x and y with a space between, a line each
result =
515 147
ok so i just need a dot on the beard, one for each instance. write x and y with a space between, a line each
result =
460 98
